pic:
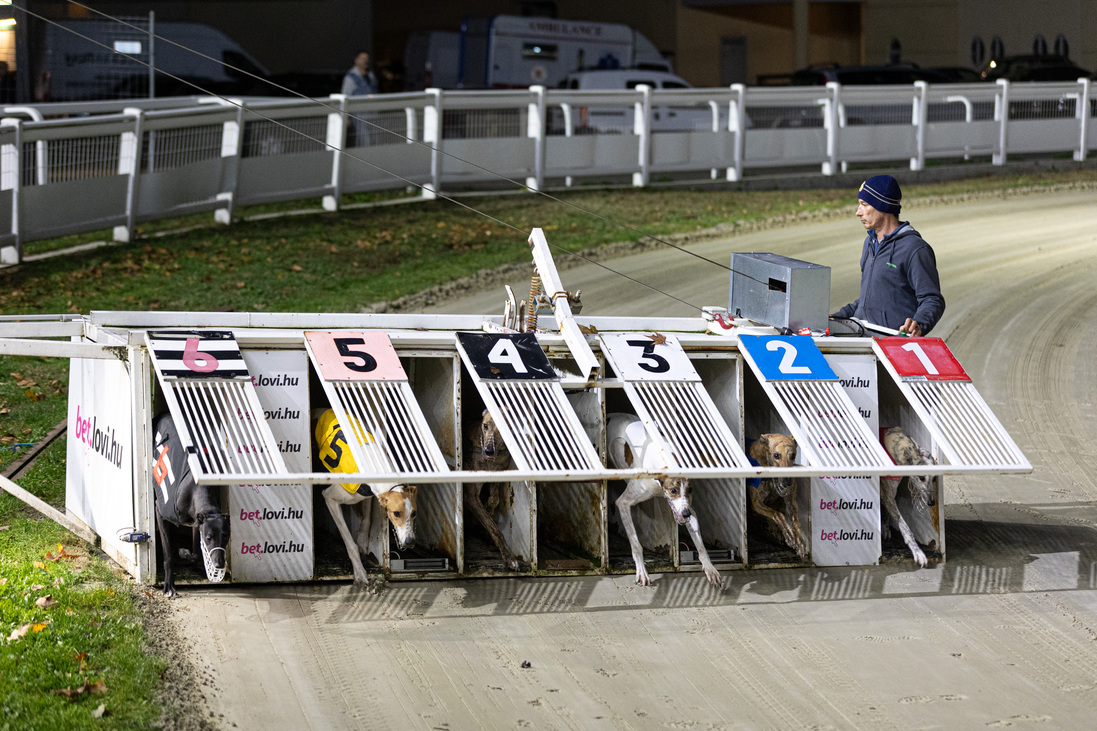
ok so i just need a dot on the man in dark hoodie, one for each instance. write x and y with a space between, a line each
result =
900 288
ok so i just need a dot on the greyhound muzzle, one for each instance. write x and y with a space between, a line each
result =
213 573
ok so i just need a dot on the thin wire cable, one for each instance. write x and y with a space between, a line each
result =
500 176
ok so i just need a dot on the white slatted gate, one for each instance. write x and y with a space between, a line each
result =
210 395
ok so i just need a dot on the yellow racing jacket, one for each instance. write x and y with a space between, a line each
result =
332 447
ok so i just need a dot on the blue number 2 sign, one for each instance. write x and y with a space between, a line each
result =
787 358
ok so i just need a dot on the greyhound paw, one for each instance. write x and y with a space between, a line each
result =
919 556
170 592
642 577
713 576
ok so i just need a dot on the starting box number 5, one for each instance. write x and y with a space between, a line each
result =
355 356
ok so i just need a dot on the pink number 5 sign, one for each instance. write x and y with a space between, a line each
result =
922 358
355 356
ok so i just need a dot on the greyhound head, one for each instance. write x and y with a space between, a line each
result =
490 442
399 503
213 537
678 492
775 450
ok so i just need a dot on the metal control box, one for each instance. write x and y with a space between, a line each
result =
779 291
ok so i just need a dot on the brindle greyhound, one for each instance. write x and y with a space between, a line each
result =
630 446
489 452
182 502
398 500
778 450
905 451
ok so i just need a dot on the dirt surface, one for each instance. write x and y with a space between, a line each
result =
1001 635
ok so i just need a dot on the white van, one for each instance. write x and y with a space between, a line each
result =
90 59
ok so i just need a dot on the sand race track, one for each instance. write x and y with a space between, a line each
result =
1003 634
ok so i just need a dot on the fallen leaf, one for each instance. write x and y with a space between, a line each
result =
16 376
19 632
39 565
241 284
3 580
38 627
36 587
32 395
296 268
26 382
101 711
658 338
4 527
45 602
81 656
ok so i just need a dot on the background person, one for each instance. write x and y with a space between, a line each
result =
900 287
359 80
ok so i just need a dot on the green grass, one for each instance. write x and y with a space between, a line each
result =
319 262
89 637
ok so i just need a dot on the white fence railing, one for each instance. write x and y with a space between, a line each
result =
71 168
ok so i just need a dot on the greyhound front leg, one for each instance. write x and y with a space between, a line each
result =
792 512
711 573
365 513
336 509
908 537
757 501
472 499
634 493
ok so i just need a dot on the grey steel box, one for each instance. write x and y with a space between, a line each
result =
779 291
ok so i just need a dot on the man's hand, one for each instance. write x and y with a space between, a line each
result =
911 327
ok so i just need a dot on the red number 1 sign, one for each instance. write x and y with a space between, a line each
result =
355 356
922 358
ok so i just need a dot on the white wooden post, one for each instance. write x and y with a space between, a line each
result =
919 116
641 127
1082 113
1001 115
336 142
10 171
737 124
536 130
432 136
129 162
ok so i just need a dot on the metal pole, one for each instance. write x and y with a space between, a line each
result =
152 54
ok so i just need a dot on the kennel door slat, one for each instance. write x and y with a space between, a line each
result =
671 401
946 401
805 391
208 390
524 396
369 392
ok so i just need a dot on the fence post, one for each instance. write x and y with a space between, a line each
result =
432 136
737 124
830 123
919 116
11 178
1001 115
336 141
129 163
232 134
641 127
536 129
1082 112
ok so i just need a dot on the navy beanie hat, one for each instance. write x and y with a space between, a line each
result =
882 193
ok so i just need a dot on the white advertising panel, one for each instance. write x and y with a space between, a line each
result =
845 512
271 525
99 451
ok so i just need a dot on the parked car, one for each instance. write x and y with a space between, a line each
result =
1033 68
664 118
896 74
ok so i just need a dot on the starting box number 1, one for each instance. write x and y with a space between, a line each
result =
922 359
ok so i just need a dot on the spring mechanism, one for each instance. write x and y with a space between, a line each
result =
531 305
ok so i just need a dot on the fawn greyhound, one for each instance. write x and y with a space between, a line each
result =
630 446
397 500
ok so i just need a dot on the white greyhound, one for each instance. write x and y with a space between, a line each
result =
905 451
398 500
630 446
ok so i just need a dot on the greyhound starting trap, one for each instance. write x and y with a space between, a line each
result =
408 390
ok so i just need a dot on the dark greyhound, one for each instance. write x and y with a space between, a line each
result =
488 452
181 502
